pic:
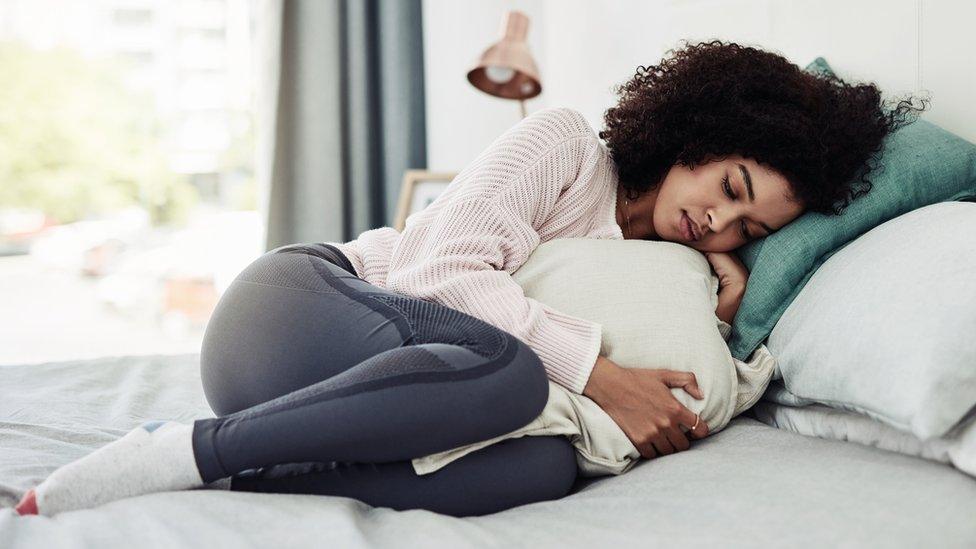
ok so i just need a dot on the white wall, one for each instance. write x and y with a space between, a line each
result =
462 120
584 48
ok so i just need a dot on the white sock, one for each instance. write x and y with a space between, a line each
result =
157 456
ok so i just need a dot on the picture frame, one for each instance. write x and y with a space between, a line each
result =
418 190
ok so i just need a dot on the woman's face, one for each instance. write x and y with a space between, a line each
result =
720 219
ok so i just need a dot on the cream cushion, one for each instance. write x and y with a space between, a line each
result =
656 304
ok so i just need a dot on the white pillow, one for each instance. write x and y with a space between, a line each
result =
957 448
887 325
656 303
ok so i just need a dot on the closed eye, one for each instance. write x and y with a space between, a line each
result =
744 231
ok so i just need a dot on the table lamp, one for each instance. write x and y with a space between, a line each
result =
506 69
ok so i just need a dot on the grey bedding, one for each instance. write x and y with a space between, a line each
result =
749 485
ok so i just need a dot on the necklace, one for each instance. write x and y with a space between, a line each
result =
627 214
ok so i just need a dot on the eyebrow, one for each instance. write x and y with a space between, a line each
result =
752 197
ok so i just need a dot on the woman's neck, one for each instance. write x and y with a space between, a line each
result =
640 212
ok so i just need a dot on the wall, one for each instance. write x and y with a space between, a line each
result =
583 48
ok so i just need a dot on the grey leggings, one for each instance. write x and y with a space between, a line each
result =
326 384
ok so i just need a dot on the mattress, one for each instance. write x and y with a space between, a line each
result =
749 485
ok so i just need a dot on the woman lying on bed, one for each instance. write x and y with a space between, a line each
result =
331 365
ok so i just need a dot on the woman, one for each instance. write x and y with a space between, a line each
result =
332 365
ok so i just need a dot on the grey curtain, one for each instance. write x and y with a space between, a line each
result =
340 115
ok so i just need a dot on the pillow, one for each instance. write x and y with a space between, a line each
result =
656 303
957 448
886 326
922 164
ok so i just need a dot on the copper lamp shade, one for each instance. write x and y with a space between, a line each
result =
506 69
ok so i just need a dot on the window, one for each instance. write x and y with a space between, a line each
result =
127 193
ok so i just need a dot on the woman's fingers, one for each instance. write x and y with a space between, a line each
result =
649 398
678 439
689 418
647 450
662 444
685 380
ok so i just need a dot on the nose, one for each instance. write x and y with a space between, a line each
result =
716 223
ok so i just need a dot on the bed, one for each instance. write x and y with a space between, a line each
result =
748 485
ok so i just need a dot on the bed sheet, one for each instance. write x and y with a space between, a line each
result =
749 485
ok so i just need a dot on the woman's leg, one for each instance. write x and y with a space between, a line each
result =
403 403
449 380
282 325
381 376
430 381
506 474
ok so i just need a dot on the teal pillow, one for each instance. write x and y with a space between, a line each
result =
921 164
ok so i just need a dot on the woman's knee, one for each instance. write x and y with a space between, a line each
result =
518 386
531 381
509 373
549 466
510 473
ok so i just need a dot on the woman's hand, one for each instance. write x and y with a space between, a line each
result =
641 403
732 279
732 273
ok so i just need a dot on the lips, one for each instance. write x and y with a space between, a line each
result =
689 228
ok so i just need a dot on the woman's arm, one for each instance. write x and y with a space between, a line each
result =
460 250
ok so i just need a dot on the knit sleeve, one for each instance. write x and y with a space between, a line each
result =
461 252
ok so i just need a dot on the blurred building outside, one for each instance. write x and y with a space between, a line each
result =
116 283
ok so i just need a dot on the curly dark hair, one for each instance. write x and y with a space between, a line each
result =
712 99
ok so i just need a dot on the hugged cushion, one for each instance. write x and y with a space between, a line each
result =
887 326
922 164
656 304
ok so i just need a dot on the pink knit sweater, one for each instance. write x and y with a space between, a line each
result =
549 176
